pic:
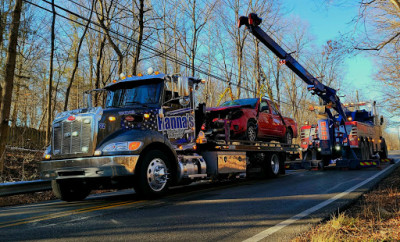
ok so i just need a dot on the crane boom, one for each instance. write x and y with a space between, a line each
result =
326 93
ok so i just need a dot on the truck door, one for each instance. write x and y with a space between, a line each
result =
277 127
264 119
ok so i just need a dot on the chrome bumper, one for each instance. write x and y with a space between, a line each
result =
89 167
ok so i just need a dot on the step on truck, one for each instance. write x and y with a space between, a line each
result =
148 136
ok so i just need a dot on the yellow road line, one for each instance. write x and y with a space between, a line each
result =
65 213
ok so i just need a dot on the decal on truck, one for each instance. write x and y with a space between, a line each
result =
175 126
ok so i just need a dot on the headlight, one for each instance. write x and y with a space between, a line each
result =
46 154
123 146
235 115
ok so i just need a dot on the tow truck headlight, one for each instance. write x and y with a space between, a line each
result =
123 146
46 154
337 147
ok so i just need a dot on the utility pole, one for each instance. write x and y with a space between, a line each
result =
398 137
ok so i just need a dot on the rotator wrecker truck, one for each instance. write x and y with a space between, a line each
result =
346 139
147 136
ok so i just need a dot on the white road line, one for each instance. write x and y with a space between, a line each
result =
307 212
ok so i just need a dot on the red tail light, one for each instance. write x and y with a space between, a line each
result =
71 118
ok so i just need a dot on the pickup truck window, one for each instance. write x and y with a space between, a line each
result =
274 111
264 107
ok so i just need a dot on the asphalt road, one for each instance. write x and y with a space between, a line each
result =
268 210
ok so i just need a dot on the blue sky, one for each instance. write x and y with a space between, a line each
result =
328 22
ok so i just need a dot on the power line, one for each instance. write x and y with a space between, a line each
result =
152 49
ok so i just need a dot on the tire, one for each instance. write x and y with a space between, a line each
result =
325 160
370 149
69 191
365 151
288 137
251 132
272 165
152 178
383 154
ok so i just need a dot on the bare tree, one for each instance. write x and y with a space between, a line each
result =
139 40
76 62
8 83
49 101
104 21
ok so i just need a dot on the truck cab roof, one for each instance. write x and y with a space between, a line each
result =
134 79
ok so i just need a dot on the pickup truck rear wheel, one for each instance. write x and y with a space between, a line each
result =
69 191
251 132
152 177
288 137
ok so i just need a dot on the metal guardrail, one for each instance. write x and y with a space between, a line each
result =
15 188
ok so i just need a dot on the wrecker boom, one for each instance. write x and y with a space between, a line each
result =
326 93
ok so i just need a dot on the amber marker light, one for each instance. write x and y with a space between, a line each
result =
112 118
156 72
97 153
146 115
134 145
47 157
350 118
114 81
140 74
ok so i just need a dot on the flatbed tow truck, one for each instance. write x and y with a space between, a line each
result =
148 136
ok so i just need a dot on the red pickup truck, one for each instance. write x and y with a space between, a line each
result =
251 119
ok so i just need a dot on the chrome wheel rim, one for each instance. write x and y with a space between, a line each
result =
251 132
157 174
275 164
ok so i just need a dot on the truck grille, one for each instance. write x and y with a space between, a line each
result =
73 137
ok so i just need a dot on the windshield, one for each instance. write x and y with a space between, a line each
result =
144 94
242 102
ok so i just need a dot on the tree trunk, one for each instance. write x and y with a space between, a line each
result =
77 60
396 3
140 37
277 80
49 97
100 17
98 69
8 84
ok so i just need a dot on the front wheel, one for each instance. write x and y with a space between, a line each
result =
251 132
69 191
152 178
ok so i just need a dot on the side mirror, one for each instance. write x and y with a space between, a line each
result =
183 87
382 120
184 101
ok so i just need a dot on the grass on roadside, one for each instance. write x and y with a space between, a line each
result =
374 217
